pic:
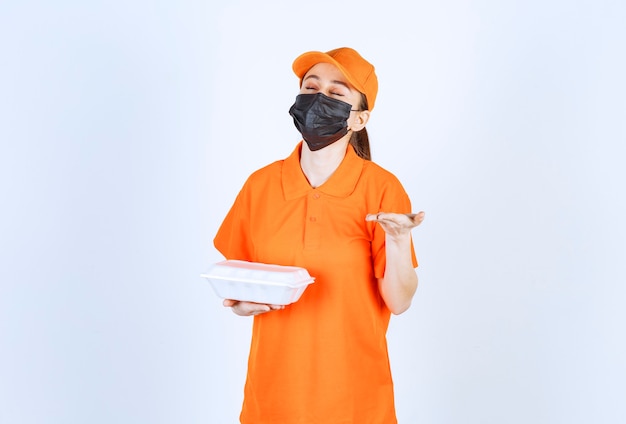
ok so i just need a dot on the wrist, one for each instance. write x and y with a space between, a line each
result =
398 239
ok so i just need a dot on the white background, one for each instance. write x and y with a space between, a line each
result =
127 128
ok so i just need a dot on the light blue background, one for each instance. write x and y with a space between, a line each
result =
127 129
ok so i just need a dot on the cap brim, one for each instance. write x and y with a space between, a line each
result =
306 61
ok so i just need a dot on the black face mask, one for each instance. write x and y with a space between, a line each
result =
320 119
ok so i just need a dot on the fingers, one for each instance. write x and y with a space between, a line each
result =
250 308
415 219
373 216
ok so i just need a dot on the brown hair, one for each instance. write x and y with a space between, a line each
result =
359 139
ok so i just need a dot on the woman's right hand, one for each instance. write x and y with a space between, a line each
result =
250 308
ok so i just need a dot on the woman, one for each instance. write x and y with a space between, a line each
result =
330 209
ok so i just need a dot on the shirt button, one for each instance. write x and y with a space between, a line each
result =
316 195
312 219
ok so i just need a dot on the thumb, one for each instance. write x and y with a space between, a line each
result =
229 302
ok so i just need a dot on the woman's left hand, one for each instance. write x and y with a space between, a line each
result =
397 224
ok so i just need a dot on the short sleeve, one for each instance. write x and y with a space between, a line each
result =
233 237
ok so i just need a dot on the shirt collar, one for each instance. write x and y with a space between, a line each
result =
341 184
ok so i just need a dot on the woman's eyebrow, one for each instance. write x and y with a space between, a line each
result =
315 77
341 83
312 76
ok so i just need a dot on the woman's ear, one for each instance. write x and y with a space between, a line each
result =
360 120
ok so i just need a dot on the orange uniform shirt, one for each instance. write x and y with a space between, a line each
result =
324 358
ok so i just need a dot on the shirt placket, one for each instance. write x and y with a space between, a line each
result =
312 233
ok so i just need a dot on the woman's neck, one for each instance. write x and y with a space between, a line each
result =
318 166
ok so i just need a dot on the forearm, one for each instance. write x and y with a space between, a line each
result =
399 283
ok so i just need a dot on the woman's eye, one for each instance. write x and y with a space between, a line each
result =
336 94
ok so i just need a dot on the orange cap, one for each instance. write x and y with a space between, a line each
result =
359 72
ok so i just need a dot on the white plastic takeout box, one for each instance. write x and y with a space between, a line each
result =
258 282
